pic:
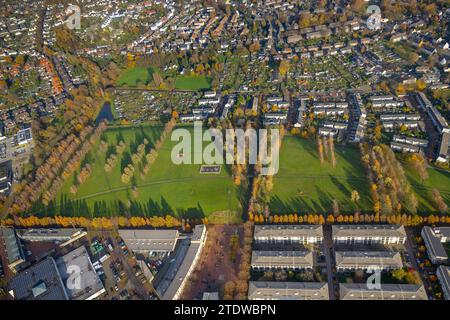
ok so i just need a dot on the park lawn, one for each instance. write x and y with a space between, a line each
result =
437 179
166 189
304 185
135 76
193 83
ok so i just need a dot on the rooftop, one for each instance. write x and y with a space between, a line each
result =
78 261
41 281
443 273
272 290
265 231
360 291
274 258
434 238
368 230
149 240
47 234
368 258
13 249
182 264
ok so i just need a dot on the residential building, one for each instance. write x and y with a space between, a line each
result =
63 235
360 291
273 290
443 274
288 234
6 177
443 149
368 260
172 285
438 120
12 247
403 147
287 260
434 239
369 234
423 143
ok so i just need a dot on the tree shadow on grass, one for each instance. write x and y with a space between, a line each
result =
310 147
191 213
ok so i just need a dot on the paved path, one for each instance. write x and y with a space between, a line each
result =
412 248
328 248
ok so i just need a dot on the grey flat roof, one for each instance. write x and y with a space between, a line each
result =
149 240
175 276
12 245
78 261
368 258
360 291
368 230
274 258
48 233
443 273
41 281
268 231
273 290
434 244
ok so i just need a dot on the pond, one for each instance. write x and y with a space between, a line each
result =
105 114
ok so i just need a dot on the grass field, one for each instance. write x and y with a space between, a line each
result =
303 184
167 188
437 179
135 76
192 83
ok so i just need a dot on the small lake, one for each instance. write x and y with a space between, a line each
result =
105 114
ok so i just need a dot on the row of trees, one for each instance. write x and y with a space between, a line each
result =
75 161
325 148
390 190
237 289
166 221
403 219
61 163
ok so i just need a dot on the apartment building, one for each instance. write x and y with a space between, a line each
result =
434 239
286 260
274 290
369 234
368 260
360 291
288 234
